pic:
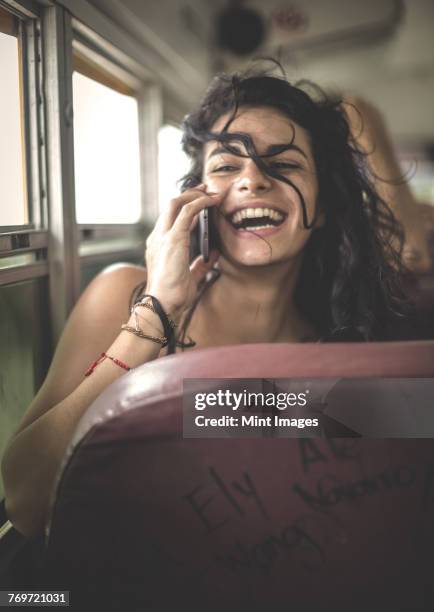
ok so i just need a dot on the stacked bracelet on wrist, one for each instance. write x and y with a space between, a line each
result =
140 334
146 302
151 302
168 324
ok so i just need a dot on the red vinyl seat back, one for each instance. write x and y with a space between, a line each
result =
157 522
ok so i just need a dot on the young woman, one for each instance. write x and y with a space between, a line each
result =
306 250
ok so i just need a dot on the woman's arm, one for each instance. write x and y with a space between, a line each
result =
369 129
34 452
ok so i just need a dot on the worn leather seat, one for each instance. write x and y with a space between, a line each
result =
143 519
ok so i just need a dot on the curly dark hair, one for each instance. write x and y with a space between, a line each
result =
350 283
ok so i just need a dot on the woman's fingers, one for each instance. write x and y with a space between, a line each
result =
194 222
418 259
167 252
417 252
199 268
169 215
185 218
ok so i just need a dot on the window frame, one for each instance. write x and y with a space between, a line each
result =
29 16
108 58
98 243
50 35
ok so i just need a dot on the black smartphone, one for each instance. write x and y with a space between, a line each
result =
204 237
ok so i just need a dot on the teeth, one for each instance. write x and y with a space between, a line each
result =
256 212
258 227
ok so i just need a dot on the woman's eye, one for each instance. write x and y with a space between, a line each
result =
226 168
284 166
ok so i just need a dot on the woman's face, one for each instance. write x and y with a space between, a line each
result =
255 200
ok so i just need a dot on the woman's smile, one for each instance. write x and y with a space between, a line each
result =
261 209
256 219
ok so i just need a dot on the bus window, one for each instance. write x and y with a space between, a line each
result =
172 164
106 148
12 159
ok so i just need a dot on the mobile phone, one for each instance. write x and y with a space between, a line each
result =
204 233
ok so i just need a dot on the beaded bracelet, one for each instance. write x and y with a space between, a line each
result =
118 362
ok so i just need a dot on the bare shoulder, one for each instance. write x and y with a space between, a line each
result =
120 275
125 273
102 308
115 283
92 326
105 302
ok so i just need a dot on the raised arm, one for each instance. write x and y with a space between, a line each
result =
34 453
369 128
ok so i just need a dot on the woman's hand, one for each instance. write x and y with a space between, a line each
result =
369 128
418 252
170 277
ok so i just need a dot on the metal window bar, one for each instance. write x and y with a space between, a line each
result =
64 272
33 236
17 27
17 242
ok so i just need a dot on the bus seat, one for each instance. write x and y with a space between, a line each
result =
144 519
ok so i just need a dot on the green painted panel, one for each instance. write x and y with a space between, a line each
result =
25 350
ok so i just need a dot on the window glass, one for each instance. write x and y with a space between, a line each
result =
173 163
13 209
106 153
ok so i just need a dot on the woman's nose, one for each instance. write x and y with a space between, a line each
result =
253 179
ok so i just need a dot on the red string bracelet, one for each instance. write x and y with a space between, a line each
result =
118 362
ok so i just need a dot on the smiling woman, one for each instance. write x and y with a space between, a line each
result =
254 189
304 250
324 260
